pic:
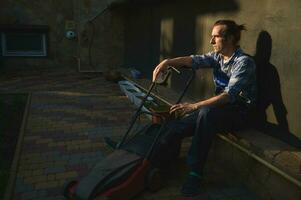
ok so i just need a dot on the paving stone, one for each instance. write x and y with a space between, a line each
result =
22 186
234 191
51 177
248 197
41 193
25 173
52 198
37 172
29 195
54 170
74 161
35 179
46 185
66 175
216 195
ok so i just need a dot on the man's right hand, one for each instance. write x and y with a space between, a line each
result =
159 68
185 61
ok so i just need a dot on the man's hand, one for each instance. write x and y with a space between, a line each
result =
161 67
183 108
185 61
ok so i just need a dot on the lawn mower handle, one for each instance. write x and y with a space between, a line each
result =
147 95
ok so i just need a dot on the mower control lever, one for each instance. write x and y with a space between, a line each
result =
163 75
174 69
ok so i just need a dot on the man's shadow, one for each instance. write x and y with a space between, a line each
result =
269 94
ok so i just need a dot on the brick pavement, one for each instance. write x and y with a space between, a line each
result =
69 115
64 139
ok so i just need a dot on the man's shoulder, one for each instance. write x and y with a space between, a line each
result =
243 57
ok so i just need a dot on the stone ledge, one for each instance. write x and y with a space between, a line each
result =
285 158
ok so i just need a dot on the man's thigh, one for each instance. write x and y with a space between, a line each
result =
224 118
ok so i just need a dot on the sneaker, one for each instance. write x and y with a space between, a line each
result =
191 186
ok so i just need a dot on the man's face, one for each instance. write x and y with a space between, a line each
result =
219 42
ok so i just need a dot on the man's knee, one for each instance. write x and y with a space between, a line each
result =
205 113
209 120
211 113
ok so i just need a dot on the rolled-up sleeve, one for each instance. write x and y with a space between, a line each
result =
241 77
203 61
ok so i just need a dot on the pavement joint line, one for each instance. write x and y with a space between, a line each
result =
14 167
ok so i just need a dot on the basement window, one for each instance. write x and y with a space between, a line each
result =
23 41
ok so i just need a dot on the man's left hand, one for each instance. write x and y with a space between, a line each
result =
182 108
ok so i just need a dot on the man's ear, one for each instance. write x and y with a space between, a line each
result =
231 39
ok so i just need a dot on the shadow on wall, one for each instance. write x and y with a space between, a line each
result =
269 94
185 15
143 29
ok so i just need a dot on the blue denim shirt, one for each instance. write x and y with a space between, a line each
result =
236 76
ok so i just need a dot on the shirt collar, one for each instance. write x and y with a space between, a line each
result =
237 52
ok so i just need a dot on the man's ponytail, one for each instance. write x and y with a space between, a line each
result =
241 27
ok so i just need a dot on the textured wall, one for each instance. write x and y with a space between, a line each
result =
101 35
179 28
106 47
52 13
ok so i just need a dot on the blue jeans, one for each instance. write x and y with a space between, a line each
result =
203 125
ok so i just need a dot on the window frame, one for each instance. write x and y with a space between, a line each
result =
25 29
7 53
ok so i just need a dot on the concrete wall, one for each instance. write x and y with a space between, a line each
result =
51 13
155 32
104 41
101 35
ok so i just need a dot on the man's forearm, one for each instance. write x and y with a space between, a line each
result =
175 62
220 99
179 61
